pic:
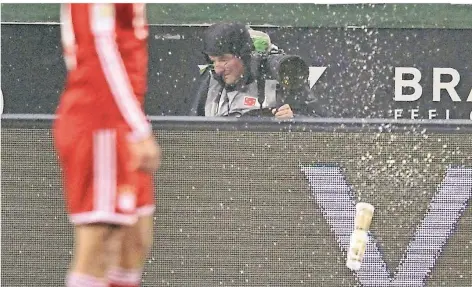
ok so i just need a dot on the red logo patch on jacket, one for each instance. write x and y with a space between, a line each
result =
250 102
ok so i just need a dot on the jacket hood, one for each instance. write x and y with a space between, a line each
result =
227 38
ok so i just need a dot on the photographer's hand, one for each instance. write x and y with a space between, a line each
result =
284 112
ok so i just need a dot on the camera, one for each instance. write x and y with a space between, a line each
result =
290 71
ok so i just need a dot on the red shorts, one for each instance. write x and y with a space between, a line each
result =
99 186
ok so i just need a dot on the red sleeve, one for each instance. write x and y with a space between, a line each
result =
102 23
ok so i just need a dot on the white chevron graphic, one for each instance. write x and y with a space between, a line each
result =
336 199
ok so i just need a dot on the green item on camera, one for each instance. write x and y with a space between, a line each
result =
261 44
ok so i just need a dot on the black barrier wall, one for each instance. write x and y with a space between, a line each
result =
264 204
359 79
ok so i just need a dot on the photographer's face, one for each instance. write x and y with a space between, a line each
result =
229 66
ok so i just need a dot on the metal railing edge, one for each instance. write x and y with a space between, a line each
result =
306 120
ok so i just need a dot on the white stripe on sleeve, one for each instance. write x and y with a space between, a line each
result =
103 27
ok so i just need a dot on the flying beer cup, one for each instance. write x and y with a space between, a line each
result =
359 237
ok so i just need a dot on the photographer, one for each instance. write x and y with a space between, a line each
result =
240 81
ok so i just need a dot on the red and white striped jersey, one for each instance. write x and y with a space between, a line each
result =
105 50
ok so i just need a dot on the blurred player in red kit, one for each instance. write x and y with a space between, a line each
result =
105 144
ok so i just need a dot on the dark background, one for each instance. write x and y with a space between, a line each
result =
358 81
